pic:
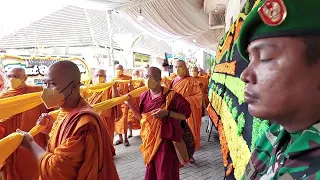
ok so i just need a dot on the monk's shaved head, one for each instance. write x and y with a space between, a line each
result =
18 69
181 64
65 77
16 72
66 70
136 73
101 73
155 73
119 67
195 69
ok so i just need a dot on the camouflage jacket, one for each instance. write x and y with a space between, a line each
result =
280 155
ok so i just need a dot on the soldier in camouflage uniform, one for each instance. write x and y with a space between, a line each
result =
281 41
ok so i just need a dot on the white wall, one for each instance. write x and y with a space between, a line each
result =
199 56
233 9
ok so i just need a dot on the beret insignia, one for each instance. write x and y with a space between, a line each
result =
273 12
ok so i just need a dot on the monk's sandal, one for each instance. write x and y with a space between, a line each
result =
126 143
118 142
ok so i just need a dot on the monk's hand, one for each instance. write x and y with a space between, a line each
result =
27 139
159 113
129 101
46 120
130 85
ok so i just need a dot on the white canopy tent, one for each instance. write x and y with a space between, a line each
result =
193 21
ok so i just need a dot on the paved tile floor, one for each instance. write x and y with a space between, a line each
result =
208 164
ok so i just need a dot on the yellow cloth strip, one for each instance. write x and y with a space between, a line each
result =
10 143
14 105
104 86
119 100
18 104
97 107
99 87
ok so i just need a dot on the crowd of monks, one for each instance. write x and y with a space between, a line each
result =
78 143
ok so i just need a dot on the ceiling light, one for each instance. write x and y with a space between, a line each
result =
140 17
216 9
194 40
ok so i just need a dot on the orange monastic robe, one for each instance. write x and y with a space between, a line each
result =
22 165
190 89
109 115
78 148
204 84
121 126
136 101
167 80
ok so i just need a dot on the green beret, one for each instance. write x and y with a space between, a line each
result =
279 18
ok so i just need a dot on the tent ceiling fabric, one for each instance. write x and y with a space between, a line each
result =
114 4
173 19
176 19
75 26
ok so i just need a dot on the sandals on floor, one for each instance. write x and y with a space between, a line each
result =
126 143
118 142
192 161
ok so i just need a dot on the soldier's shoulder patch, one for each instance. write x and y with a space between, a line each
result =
250 170
286 176
271 137
273 12
317 127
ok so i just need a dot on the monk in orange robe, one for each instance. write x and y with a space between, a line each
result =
134 123
204 84
208 75
79 145
190 89
109 115
21 165
121 126
160 112
165 81
201 72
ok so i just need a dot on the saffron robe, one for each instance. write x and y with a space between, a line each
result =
109 116
167 80
204 84
190 89
135 124
22 165
121 126
78 148
157 135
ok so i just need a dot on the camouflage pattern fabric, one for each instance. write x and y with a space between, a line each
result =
280 155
